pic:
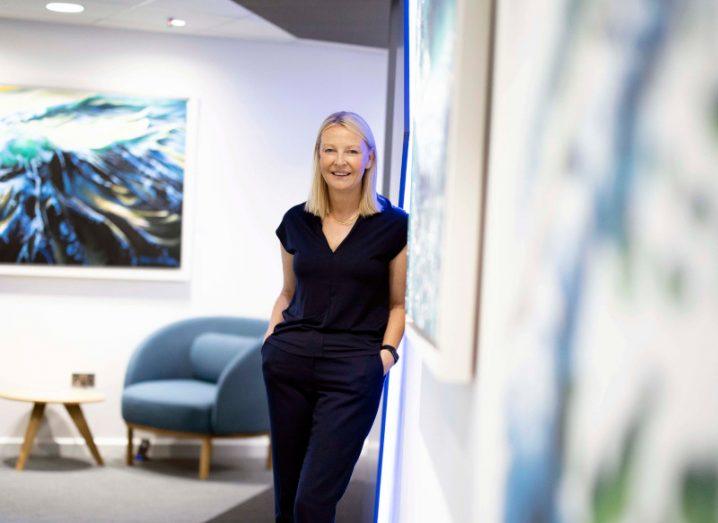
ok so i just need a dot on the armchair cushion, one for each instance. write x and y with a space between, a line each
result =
211 352
183 405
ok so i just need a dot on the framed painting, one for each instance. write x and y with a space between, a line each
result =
94 184
449 69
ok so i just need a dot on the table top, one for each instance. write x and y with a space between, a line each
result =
53 395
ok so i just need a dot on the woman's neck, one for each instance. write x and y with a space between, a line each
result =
344 205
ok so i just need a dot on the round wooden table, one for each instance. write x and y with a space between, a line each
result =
71 398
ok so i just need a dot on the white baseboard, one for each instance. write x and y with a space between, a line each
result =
160 447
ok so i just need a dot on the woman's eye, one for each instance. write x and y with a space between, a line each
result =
353 151
328 150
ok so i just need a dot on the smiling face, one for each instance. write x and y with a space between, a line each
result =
343 158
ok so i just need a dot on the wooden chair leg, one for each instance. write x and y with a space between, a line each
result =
129 458
35 418
205 458
269 455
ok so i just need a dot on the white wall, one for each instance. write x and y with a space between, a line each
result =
259 107
438 470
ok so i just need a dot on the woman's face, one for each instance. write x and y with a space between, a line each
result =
343 158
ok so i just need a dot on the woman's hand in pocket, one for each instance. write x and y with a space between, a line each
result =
387 360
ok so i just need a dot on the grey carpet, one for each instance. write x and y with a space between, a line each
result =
61 489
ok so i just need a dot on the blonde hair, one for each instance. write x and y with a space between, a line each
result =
318 201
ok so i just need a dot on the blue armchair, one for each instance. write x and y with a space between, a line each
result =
198 378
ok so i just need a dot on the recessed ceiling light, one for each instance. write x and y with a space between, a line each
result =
63 7
176 22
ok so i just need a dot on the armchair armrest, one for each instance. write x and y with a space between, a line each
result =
241 402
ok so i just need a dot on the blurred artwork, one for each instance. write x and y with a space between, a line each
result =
90 179
432 42
611 380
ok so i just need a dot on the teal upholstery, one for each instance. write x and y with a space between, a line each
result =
211 352
200 375
184 405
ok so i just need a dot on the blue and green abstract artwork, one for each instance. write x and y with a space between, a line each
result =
91 179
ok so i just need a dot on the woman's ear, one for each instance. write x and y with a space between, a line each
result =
370 163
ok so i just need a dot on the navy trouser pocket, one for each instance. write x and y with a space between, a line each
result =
381 365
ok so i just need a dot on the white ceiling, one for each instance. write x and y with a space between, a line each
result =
223 18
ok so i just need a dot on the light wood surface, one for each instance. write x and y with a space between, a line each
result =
40 397
193 435
76 414
35 418
205 458
49 395
129 458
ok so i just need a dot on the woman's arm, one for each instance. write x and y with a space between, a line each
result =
285 297
397 314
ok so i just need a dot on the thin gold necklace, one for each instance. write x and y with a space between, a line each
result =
347 221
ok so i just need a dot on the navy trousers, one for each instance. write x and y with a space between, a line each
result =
321 410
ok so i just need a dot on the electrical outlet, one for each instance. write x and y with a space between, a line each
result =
83 380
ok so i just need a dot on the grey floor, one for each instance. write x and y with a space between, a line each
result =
64 489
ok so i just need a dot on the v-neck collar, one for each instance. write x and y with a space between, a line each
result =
318 221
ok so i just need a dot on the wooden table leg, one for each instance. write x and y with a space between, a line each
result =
35 418
79 419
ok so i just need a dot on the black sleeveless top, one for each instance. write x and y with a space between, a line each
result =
340 305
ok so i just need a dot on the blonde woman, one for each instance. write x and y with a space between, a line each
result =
336 324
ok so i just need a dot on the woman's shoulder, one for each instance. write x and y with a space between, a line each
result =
391 211
296 211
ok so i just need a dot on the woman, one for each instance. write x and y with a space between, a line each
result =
336 324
